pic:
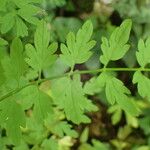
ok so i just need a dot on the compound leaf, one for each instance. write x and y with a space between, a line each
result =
68 94
14 18
41 56
77 48
116 47
28 12
116 92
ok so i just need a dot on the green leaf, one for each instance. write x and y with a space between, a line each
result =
34 131
116 92
41 56
7 22
98 145
58 127
22 146
58 68
91 87
50 144
114 87
145 124
78 47
15 66
84 136
26 96
14 118
104 77
68 94
86 146
96 85
116 112
42 106
28 13
21 28
3 42
143 84
32 96
116 47
16 14
143 54
131 120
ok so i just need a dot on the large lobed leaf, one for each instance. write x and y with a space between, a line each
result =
41 56
116 92
68 94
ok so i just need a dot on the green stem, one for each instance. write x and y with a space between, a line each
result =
73 73
39 78
113 69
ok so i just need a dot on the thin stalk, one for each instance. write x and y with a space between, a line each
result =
73 73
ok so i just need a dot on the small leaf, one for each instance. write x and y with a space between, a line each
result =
78 47
116 92
7 22
42 106
116 112
58 127
3 42
14 118
103 78
21 28
91 87
15 66
98 145
28 13
116 47
50 144
143 54
84 136
143 84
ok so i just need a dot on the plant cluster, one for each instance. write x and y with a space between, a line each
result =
43 96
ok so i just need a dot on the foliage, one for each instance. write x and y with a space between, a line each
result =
51 98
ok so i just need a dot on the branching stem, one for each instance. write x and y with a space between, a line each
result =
73 73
